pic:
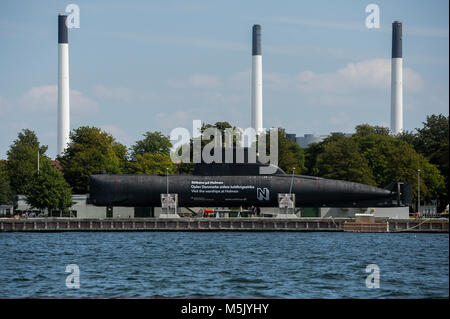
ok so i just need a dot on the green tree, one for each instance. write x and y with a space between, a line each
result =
6 194
290 155
49 190
392 159
313 151
409 137
374 157
222 126
433 143
341 159
151 164
299 154
22 160
121 152
366 129
90 151
153 143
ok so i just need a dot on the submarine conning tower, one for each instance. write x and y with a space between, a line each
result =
242 164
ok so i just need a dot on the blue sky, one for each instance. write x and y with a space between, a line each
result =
140 66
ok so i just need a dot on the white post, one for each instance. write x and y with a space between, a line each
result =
418 190
167 182
292 180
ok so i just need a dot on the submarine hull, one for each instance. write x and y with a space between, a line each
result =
233 191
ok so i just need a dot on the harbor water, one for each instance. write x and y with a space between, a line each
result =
224 264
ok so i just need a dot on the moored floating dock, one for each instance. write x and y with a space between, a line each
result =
222 224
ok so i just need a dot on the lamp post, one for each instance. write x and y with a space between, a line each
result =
292 180
290 188
167 184
418 190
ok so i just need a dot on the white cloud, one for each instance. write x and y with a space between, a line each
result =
204 81
350 26
40 98
45 98
321 23
5 106
339 119
241 80
369 74
118 93
178 118
118 133
196 81
184 41
331 100
82 104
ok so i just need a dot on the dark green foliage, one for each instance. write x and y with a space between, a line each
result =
151 164
372 156
290 155
341 160
49 190
22 160
6 194
91 151
153 143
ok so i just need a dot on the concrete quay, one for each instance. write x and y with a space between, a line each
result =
221 224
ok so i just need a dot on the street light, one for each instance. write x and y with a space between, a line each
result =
292 180
418 190
167 182
290 189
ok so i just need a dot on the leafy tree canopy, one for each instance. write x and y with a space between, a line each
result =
91 151
433 142
151 164
6 194
49 190
341 159
23 159
153 143
372 156
290 155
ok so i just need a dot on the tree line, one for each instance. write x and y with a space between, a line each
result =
371 156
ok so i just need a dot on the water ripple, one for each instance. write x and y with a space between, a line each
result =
264 265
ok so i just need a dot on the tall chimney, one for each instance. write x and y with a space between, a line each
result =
257 80
397 79
63 86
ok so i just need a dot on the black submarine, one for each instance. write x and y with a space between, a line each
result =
241 184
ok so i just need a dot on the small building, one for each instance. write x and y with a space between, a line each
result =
305 140
6 210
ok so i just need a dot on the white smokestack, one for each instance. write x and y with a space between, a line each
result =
257 80
63 86
397 79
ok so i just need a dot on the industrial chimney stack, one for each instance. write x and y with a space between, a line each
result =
397 79
63 86
257 80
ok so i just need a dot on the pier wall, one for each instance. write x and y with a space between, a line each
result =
214 224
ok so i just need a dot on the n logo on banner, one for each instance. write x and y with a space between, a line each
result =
262 193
